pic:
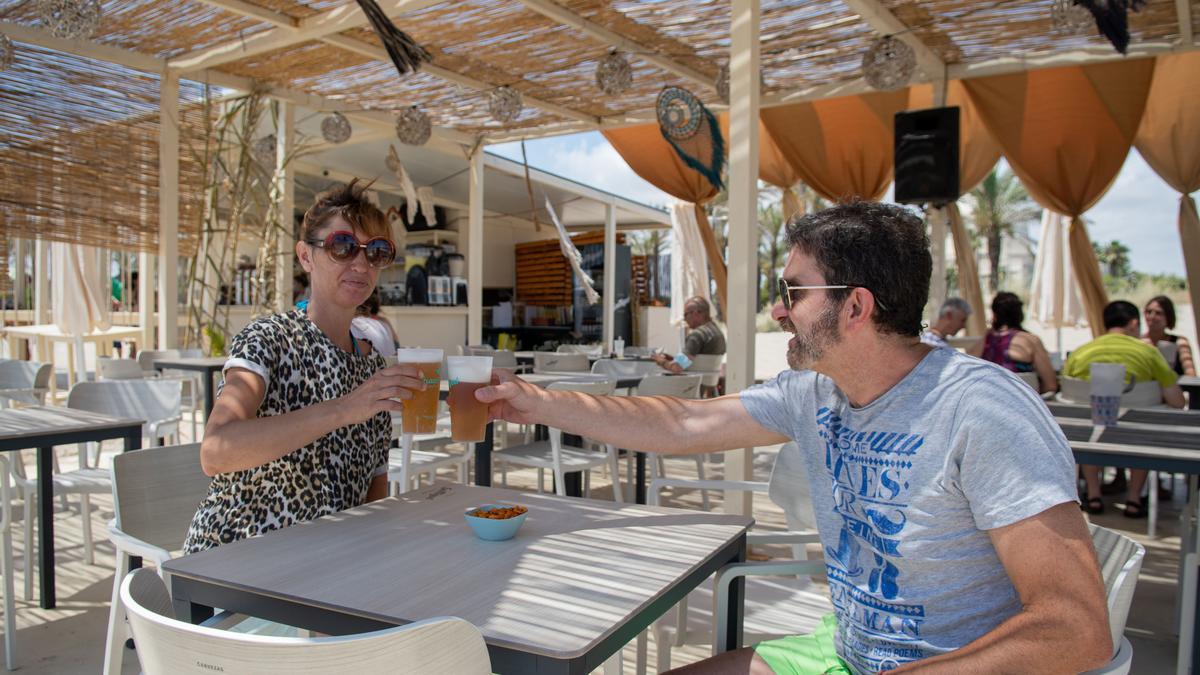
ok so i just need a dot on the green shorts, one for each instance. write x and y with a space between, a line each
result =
812 654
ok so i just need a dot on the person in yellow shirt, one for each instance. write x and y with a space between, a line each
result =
1121 344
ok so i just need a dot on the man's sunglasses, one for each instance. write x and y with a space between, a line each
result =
343 247
785 292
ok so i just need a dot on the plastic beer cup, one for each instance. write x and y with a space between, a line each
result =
420 411
468 417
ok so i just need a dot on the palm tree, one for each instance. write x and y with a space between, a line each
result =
771 249
997 204
1115 256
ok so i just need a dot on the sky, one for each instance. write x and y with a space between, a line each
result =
1139 209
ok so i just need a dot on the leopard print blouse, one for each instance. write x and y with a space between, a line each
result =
301 366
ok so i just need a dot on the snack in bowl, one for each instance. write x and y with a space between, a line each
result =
496 522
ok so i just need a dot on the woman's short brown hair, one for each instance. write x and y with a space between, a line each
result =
351 203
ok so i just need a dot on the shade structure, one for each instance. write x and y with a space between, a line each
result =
79 298
1054 299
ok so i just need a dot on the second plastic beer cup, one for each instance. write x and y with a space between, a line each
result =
420 411
468 417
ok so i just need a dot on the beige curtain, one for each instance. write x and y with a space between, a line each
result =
1066 133
773 167
840 147
650 156
1169 140
978 152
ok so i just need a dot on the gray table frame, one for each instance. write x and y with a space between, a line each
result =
44 441
207 366
195 599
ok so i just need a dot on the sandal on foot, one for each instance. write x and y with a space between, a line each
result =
1094 505
1135 509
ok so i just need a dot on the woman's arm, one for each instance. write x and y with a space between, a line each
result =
236 439
1185 356
1047 378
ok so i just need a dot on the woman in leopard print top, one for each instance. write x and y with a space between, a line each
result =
302 425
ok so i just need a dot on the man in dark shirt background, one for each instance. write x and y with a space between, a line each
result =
704 336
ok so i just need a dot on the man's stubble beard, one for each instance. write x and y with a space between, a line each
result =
806 350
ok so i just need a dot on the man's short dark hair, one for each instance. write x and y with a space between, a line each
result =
881 247
1118 314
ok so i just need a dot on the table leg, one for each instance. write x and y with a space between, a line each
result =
209 398
133 440
483 458
45 477
731 632
640 478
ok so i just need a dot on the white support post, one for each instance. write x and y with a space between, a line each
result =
41 282
938 219
284 194
146 277
19 285
610 274
743 225
475 250
168 212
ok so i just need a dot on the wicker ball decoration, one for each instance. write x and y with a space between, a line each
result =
392 163
679 113
613 74
69 19
888 64
504 103
336 128
1070 18
7 52
413 126
264 151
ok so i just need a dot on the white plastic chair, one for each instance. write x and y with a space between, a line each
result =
120 369
155 495
166 645
708 365
593 351
553 362
147 357
24 382
192 381
1140 395
562 459
155 401
10 619
679 386
620 368
1030 379
1120 562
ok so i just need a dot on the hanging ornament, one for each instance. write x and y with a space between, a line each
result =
264 151
7 52
1069 18
692 132
504 103
392 162
70 19
336 128
613 74
888 64
413 126
1112 19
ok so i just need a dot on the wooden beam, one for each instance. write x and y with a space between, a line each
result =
882 21
254 12
475 249
33 35
343 18
1183 12
594 30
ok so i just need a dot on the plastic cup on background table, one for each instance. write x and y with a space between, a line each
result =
1107 381
468 417
420 411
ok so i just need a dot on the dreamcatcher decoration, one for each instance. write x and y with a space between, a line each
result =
573 257
1070 18
69 19
614 75
7 52
336 128
692 132
888 64
504 103
1112 18
413 126
405 53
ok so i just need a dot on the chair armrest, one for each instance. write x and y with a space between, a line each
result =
131 545
737 485
730 573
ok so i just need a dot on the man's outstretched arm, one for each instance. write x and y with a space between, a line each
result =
663 424
1063 623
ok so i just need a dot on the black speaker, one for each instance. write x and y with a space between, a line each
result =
926 156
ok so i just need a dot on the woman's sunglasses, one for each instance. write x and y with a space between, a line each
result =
343 247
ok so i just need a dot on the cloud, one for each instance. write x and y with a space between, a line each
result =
589 159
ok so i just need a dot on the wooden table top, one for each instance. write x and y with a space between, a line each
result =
576 571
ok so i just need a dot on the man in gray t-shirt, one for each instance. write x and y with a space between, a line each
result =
944 492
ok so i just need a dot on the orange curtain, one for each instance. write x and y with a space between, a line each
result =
978 152
650 156
773 167
1066 133
1169 140
840 147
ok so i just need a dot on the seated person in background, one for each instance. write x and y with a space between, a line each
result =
1160 317
951 319
1120 344
704 336
1008 345
370 326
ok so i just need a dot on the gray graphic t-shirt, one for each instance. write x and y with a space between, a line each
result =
904 490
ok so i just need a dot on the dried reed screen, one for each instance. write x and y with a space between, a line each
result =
79 154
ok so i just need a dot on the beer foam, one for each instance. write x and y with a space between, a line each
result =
418 356
469 368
